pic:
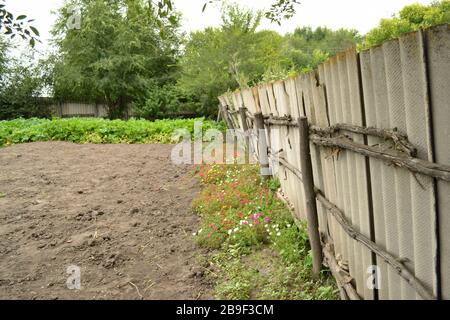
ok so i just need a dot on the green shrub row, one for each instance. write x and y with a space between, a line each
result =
97 131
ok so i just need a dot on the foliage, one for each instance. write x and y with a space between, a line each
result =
410 18
163 102
281 9
218 59
120 50
95 130
3 59
262 253
22 84
307 48
17 26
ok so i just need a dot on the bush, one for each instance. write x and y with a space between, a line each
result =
20 89
95 130
163 102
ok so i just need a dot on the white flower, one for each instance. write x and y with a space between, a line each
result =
251 224
288 225
194 234
278 234
200 231
230 232
236 229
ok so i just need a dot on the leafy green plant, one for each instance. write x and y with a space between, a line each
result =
410 18
96 130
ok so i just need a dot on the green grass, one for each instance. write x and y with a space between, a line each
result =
97 131
260 252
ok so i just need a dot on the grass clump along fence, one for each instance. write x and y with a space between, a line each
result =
96 131
259 252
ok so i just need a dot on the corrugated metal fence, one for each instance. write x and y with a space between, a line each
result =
77 109
403 87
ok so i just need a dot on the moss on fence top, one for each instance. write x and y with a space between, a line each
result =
96 130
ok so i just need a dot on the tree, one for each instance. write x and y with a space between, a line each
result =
411 18
21 89
3 58
121 49
307 48
219 59
279 10
17 26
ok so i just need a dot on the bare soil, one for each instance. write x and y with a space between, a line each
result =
121 213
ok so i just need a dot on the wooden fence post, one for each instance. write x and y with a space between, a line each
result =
243 114
310 196
262 146
226 117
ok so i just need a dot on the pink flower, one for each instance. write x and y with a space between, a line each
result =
267 219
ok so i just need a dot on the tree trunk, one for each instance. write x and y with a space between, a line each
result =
117 109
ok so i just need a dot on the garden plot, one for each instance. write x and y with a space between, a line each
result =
121 213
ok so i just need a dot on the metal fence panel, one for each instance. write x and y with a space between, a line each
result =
418 124
438 44
375 99
335 103
399 231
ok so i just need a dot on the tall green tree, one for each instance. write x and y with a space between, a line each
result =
306 47
410 18
120 49
219 59
21 89
3 58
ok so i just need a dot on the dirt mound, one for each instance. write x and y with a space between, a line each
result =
121 213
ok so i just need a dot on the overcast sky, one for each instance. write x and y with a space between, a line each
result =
357 14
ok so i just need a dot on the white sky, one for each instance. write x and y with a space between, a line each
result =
357 14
